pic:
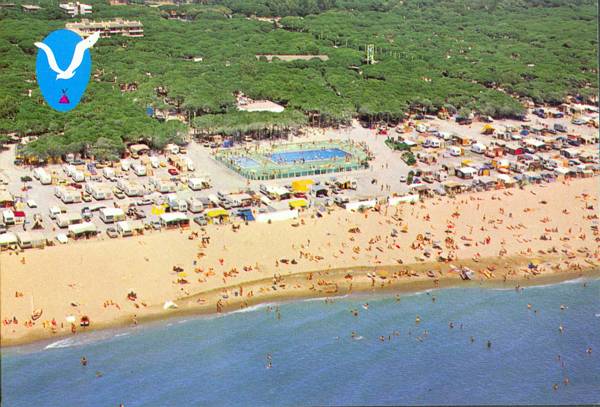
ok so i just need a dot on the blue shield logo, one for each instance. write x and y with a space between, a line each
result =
63 68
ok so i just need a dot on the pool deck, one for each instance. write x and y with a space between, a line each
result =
298 159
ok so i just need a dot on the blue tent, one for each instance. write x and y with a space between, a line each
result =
246 214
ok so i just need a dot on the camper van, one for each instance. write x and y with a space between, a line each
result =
69 169
196 184
163 186
154 162
111 215
478 148
194 205
63 220
68 195
139 170
78 176
189 164
432 142
176 204
54 211
441 176
455 151
133 189
125 165
8 217
109 173
172 149
124 228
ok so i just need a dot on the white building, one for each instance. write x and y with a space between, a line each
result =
75 9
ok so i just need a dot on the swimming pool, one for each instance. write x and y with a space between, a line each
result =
308 155
245 162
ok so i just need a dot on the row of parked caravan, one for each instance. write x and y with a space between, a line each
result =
41 175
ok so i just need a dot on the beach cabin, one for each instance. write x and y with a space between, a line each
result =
465 172
196 184
112 215
63 220
83 230
29 240
174 220
8 240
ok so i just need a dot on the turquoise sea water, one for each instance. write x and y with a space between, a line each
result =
222 360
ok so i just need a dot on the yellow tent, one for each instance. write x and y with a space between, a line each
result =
158 209
298 203
488 129
302 185
215 213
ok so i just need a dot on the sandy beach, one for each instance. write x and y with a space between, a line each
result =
540 234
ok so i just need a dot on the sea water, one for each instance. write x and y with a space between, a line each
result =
223 360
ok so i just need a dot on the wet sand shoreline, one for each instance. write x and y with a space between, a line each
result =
189 306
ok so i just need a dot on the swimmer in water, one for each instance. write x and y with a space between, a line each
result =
589 350
489 344
472 339
366 305
83 361
560 328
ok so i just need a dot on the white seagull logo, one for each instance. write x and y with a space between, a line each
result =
75 61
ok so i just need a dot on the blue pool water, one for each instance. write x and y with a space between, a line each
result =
245 162
222 361
308 155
